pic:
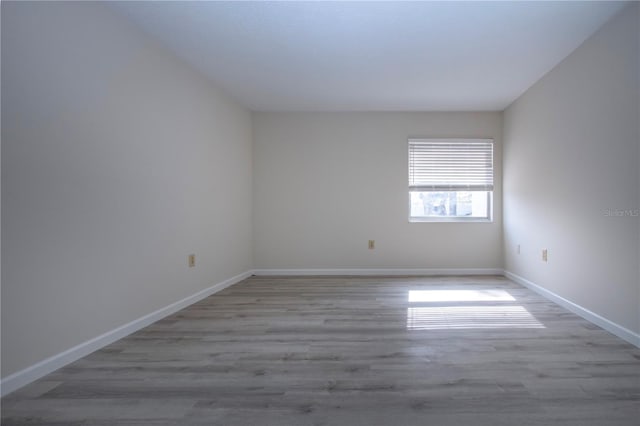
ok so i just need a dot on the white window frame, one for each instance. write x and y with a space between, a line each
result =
485 184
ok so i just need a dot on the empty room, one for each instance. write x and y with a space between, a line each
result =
320 213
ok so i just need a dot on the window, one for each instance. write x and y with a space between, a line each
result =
450 179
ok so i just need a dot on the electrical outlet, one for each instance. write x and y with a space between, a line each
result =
545 255
372 244
192 260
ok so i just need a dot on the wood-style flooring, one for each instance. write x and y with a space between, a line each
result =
350 351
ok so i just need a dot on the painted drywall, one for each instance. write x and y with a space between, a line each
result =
571 178
326 183
117 162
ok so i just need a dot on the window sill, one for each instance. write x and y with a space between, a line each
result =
449 220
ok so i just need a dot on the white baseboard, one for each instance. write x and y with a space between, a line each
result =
616 329
374 272
49 365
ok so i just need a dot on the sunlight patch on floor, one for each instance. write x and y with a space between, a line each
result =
460 296
469 317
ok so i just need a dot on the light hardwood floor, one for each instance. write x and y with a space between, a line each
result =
350 351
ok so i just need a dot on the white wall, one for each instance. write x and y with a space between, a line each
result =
326 183
571 152
117 162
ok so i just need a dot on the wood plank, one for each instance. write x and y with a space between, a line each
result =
349 351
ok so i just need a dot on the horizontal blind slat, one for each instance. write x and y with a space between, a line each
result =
437 165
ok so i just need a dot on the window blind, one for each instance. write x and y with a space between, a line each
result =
451 165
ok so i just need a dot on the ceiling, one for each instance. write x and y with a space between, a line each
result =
372 56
